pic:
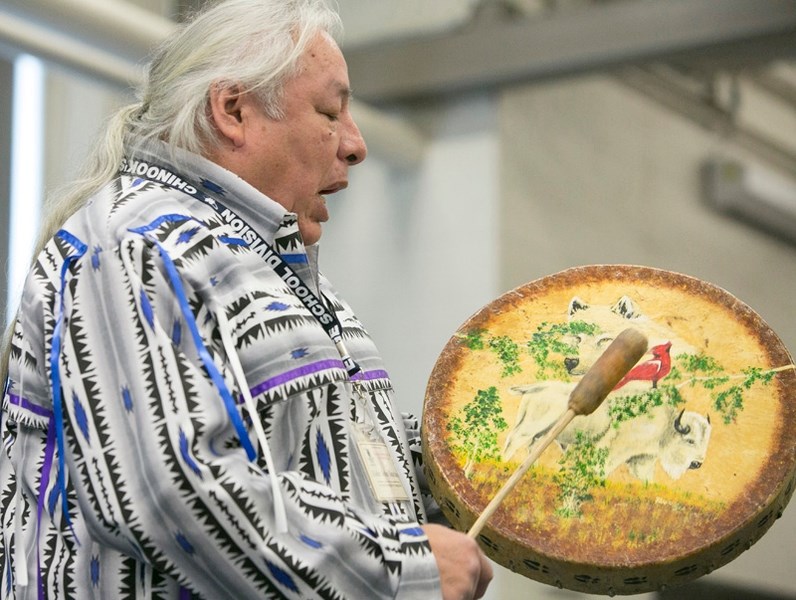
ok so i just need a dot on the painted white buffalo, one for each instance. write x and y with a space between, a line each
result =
677 439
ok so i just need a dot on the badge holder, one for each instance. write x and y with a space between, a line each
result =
383 476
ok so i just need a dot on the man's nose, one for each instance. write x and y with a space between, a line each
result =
352 147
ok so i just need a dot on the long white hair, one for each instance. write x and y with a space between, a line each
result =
253 45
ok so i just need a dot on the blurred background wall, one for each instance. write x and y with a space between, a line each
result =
588 147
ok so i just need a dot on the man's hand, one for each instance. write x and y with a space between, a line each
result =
464 571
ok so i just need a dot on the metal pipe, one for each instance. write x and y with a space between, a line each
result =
115 25
69 52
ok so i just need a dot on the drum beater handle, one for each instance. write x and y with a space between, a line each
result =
623 353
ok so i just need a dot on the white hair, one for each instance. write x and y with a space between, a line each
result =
253 45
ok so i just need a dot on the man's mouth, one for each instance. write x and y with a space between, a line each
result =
334 188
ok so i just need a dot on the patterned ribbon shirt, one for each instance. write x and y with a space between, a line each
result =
176 423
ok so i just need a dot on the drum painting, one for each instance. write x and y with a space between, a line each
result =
688 461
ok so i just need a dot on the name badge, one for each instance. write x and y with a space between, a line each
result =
382 474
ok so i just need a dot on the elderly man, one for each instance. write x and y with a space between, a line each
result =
189 408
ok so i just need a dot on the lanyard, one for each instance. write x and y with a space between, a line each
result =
317 306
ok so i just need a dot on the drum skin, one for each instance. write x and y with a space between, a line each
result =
682 468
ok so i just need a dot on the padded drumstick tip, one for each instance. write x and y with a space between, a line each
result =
623 353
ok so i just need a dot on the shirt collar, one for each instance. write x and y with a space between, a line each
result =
268 217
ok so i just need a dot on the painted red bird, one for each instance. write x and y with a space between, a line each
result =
653 370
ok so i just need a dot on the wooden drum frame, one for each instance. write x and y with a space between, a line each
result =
683 467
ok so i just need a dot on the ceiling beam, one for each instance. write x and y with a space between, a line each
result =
19 34
116 27
495 52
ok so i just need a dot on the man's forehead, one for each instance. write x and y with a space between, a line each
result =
324 65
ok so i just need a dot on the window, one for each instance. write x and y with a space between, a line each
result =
25 169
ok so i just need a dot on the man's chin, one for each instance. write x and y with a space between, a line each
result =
310 232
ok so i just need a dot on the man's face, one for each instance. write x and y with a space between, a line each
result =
305 155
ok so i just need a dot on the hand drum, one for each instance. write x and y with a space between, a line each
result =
688 461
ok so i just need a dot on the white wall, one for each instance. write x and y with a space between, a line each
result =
415 250
595 174
77 108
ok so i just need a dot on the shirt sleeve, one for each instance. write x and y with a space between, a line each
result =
412 427
160 453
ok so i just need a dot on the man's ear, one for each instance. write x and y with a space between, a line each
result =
227 111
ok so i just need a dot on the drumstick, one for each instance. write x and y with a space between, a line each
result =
623 353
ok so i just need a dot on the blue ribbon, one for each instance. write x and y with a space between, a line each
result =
201 349
55 371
